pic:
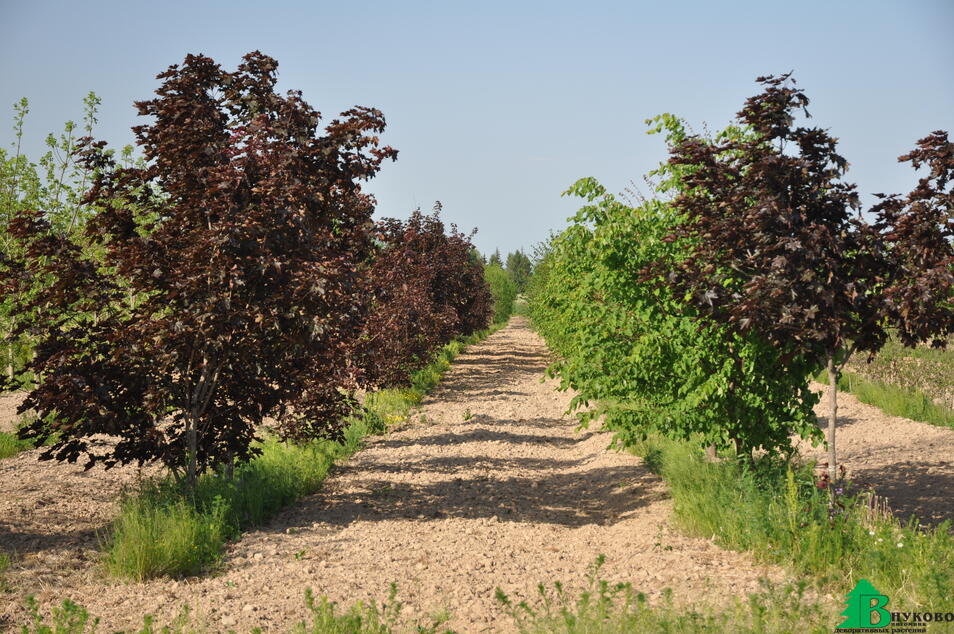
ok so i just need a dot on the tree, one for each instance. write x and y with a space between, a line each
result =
495 259
241 240
919 292
640 355
426 288
773 248
56 184
504 292
520 268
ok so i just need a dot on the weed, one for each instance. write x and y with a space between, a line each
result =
608 608
5 562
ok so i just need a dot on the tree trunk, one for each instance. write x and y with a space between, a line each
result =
9 359
192 439
832 420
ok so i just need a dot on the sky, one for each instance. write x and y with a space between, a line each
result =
496 108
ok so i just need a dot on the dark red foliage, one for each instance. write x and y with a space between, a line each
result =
426 289
221 283
920 230
774 247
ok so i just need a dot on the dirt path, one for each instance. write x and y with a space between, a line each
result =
496 488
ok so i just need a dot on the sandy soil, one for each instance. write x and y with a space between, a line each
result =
495 488
910 463
9 403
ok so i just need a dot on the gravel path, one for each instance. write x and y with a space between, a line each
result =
491 486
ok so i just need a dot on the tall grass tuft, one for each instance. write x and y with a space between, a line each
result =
10 445
775 511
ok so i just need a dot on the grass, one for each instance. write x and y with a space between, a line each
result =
775 511
521 306
605 608
894 399
11 444
164 531
5 563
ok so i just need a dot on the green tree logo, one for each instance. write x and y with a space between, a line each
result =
865 607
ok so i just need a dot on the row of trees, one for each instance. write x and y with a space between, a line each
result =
234 273
707 309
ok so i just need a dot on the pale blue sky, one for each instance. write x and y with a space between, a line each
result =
496 107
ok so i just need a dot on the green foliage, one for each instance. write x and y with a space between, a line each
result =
642 357
776 511
504 292
605 608
361 617
55 182
520 269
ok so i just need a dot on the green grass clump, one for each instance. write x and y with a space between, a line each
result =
165 530
893 399
10 445
775 510
604 608
363 618
5 563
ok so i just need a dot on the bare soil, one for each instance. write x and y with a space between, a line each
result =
9 403
490 485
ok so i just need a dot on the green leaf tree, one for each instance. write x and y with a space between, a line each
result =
520 269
